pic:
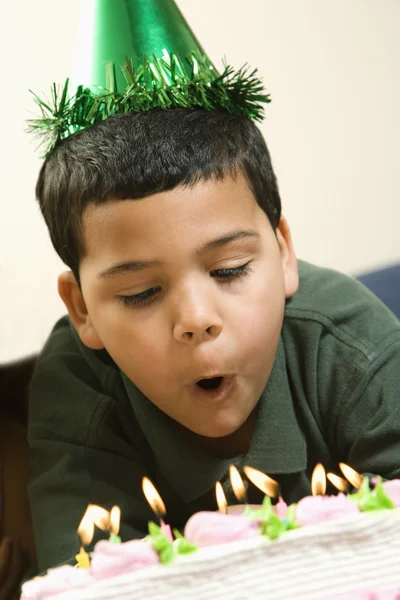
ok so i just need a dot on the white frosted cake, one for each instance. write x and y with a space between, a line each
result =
337 551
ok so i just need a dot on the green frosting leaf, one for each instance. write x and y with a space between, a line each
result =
167 555
384 502
183 546
177 534
290 519
154 529
260 514
165 548
161 544
272 527
368 500
362 498
270 524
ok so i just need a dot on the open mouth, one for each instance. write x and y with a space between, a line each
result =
210 384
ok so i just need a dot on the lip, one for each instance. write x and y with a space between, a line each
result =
208 374
213 376
219 394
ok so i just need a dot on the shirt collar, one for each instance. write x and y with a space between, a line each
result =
278 444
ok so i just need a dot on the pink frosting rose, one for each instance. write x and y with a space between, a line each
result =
109 559
316 509
210 528
56 581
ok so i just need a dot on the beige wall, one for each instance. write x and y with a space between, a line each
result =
333 130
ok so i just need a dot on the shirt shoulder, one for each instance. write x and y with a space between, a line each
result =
342 307
342 352
64 345
75 392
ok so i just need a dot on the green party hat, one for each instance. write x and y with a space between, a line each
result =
111 30
137 55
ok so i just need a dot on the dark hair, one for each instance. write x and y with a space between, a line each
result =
133 155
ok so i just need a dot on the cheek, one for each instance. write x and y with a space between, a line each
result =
266 299
135 344
262 316
117 329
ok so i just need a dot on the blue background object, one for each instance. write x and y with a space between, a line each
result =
385 283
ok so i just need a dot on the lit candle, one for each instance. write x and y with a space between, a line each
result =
99 515
114 524
351 475
318 481
221 499
85 533
238 486
266 484
106 521
318 507
158 506
339 483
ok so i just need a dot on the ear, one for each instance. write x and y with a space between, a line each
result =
72 297
288 258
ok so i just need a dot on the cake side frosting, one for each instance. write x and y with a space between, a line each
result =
336 548
346 557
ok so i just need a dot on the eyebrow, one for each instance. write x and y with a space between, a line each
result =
239 234
126 267
139 265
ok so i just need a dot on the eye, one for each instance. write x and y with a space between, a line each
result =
228 275
139 299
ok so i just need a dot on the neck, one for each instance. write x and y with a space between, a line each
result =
228 446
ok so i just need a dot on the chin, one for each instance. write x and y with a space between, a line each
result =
218 430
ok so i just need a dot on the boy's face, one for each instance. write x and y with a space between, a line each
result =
182 287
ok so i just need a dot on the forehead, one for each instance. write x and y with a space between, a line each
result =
180 218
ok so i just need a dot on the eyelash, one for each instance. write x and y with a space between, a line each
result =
228 275
225 275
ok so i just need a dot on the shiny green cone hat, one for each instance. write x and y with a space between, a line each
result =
137 55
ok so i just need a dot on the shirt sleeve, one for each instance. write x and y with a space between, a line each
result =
368 417
84 450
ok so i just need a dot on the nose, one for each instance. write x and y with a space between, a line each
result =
197 318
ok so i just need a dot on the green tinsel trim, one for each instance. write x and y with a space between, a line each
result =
158 83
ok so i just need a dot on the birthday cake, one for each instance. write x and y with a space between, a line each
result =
324 547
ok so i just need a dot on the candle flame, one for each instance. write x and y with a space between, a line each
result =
86 528
221 499
99 515
318 481
237 483
115 520
339 483
266 484
351 475
153 498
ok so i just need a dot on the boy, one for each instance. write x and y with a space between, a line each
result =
194 339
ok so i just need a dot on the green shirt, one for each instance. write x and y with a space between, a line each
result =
333 395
